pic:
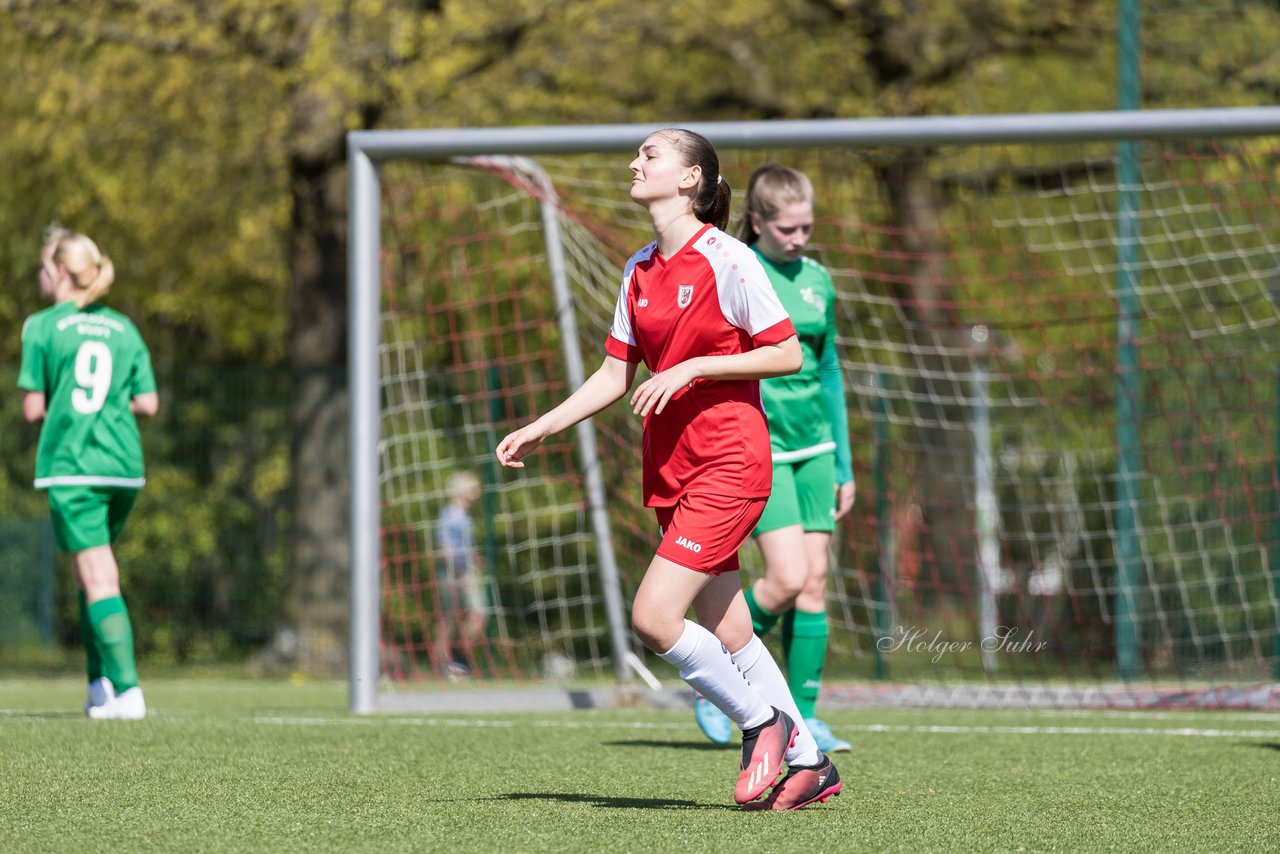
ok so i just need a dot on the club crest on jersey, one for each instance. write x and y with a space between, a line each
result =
684 296
813 299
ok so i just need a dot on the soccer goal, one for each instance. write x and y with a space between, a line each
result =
1060 338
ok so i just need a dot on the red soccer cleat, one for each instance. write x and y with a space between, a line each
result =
762 752
802 786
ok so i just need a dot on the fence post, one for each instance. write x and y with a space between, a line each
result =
884 521
1274 551
987 512
1128 450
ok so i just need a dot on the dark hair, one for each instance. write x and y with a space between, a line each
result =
771 188
711 201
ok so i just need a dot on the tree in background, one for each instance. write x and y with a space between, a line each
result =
206 142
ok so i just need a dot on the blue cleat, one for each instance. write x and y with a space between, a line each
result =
827 742
714 723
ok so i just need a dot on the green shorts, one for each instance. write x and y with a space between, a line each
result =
462 593
804 493
88 516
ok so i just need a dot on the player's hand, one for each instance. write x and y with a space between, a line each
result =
845 494
518 445
652 394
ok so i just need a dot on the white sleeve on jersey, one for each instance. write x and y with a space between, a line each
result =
621 328
747 299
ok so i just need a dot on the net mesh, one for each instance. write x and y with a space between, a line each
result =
979 298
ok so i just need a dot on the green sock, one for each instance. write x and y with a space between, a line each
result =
761 620
788 631
806 657
93 659
111 623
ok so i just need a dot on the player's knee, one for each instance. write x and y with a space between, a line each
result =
100 589
97 572
648 632
816 582
786 586
656 631
734 635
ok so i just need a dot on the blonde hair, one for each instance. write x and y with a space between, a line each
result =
91 272
462 483
770 189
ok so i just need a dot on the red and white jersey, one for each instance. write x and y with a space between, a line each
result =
711 298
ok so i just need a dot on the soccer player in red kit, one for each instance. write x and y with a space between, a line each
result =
697 308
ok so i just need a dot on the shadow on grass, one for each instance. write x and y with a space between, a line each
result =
1265 745
610 802
59 715
674 745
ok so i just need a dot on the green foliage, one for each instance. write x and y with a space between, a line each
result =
196 239
203 558
26 583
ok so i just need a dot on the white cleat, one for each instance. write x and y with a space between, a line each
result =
130 706
125 706
101 693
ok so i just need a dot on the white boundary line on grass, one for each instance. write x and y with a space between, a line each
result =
944 729
917 729
933 729
1146 715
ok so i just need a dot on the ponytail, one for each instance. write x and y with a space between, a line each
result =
103 277
715 209
91 272
712 199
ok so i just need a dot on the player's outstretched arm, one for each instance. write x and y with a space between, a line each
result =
610 382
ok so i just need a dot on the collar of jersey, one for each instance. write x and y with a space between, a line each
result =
692 240
786 268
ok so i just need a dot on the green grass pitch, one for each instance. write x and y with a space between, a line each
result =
241 765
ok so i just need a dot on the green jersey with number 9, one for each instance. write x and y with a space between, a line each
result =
90 363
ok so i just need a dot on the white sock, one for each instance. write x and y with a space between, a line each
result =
705 664
762 672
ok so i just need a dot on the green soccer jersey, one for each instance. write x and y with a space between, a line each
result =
806 410
90 363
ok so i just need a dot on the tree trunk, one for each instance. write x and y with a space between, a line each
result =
942 364
313 634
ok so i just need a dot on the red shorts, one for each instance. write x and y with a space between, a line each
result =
703 532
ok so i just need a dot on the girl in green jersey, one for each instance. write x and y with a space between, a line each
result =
86 374
813 482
